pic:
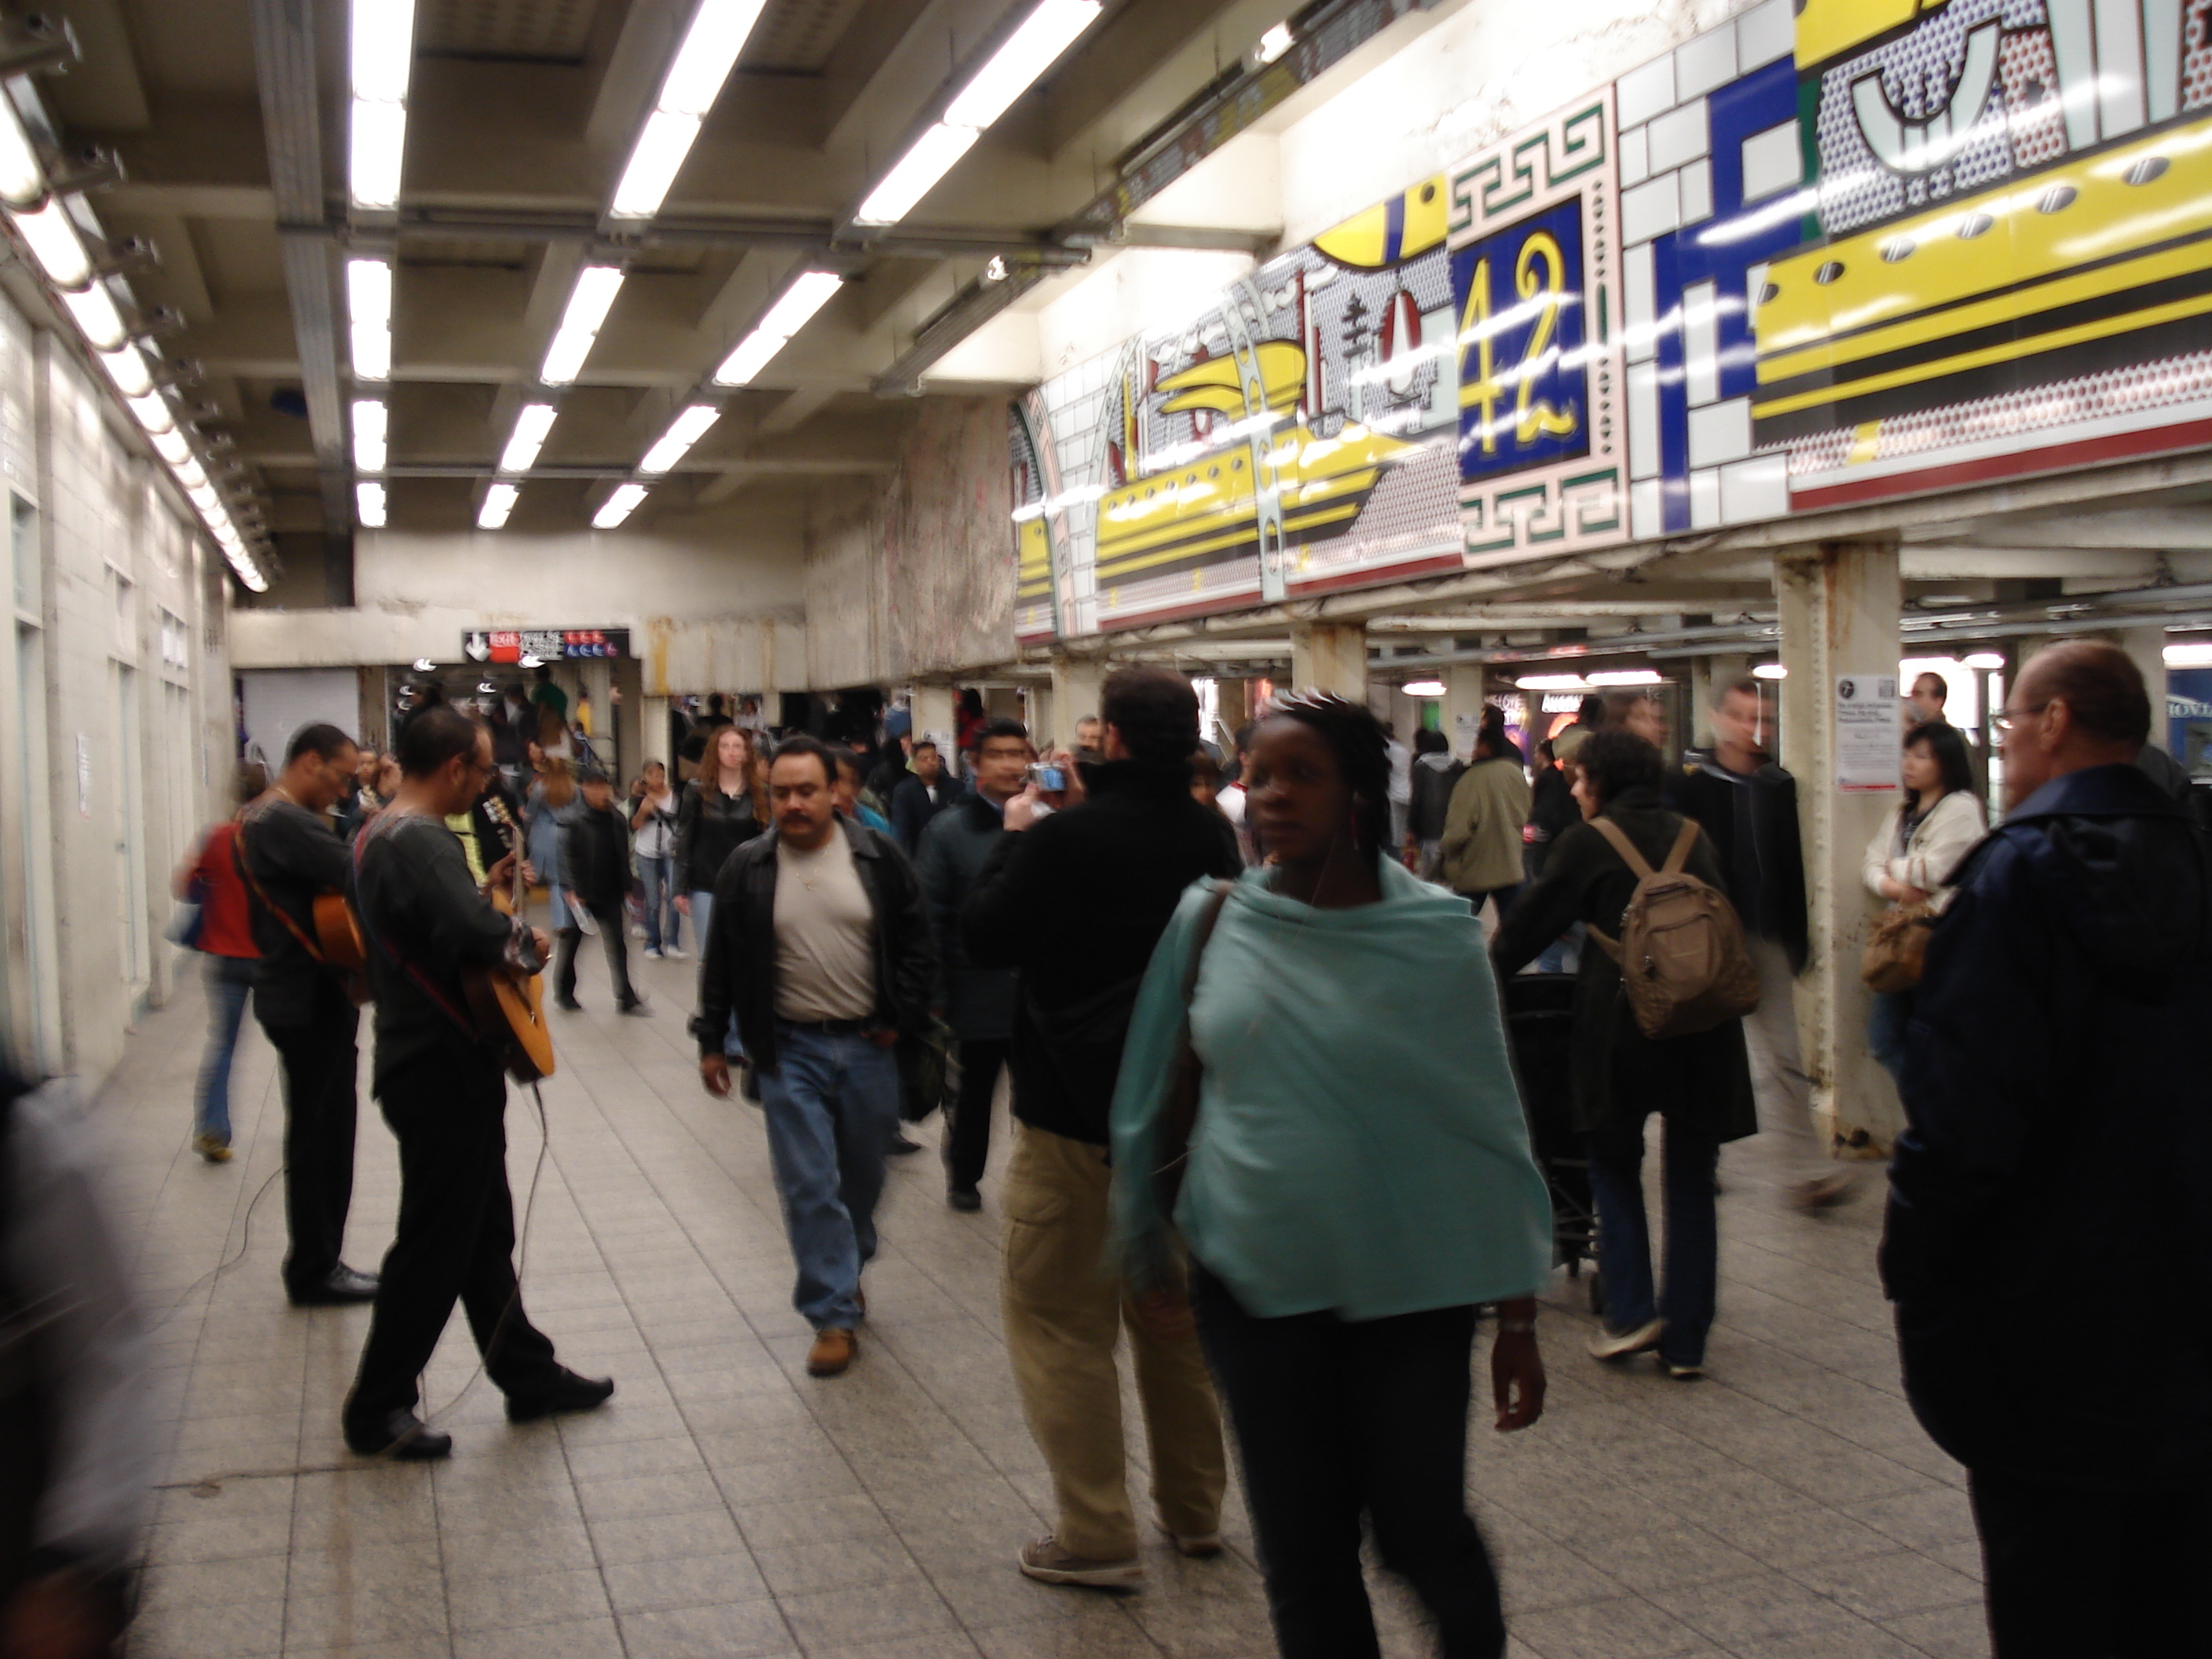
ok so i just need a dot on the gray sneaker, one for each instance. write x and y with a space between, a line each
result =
1618 1345
1045 1560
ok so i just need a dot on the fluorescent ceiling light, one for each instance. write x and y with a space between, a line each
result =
372 352
95 314
379 141
1553 683
916 173
152 412
683 432
2181 656
368 292
127 366
654 162
753 354
54 241
1627 676
1424 687
1014 68
531 427
368 503
204 498
498 502
619 506
1989 660
564 357
383 49
369 420
22 180
171 446
718 33
189 473
1274 43
790 313
1769 670
595 290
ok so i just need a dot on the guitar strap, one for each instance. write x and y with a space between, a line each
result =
246 870
468 1027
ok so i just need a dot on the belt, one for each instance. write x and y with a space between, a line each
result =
827 1027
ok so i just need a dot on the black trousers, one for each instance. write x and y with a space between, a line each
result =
1334 1418
614 937
318 1059
2072 1574
967 1135
455 1237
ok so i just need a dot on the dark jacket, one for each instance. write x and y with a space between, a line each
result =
710 827
1433 777
1619 1075
2057 1171
979 1002
1753 821
1077 903
739 972
910 809
595 856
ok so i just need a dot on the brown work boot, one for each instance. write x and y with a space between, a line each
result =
832 1352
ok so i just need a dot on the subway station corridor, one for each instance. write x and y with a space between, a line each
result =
725 1503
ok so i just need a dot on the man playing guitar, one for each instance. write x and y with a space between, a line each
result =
440 1082
289 855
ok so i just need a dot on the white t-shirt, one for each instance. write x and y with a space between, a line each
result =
825 961
658 839
1401 773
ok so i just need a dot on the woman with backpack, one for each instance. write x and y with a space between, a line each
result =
1700 1083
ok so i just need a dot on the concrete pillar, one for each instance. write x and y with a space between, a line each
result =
2148 647
934 717
1463 683
1330 657
1235 704
1075 682
1037 710
1839 604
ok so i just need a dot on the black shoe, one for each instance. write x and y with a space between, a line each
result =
343 1287
901 1144
963 1198
568 1392
567 1005
402 1436
636 1005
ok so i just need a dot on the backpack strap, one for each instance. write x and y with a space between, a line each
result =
1638 866
1681 854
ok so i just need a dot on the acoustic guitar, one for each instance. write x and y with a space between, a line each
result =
510 1005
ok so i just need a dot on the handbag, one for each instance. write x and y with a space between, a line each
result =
1179 1120
1897 950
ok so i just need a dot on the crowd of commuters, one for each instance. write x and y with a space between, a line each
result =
1252 1022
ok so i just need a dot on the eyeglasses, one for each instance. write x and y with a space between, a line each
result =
2008 720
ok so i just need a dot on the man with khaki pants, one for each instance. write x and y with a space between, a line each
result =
1075 897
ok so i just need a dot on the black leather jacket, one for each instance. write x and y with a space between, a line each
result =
740 970
710 827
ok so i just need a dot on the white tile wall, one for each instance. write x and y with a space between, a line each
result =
1764 33
1679 135
1701 341
1705 62
1704 500
1650 210
1719 432
1643 92
1697 191
1643 420
1643 516
1755 489
1772 160
1635 159
1638 287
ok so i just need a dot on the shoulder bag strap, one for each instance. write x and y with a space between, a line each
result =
245 868
1680 853
1638 866
1180 1117
380 827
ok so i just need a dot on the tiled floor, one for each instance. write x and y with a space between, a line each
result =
725 1504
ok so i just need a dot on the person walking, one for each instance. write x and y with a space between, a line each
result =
1699 1084
288 856
719 812
1434 774
1357 1182
595 860
226 938
1749 806
819 948
1076 901
2055 1130
920 794
977 1002
1552 813
653 820
1910 860
552 797
1481 842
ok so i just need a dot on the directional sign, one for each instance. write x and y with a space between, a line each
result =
504 645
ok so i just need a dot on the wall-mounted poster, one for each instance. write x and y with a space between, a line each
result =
1296 435
1535 262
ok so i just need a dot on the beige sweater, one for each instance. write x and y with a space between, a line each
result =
1934 850
1481 843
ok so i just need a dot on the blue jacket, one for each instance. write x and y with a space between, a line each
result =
2049 1237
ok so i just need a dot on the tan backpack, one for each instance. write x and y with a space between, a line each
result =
1681 952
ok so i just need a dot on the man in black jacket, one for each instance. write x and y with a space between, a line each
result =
1748 806
595 872
2045 1244
1077 900
818 943
918 796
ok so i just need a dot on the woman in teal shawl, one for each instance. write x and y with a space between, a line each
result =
1358 1180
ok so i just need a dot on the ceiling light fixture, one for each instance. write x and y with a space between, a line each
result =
1553 683
1273 44
718 33
94 308
383 57
368 503
531 426
683 432
619 506
127 366
1769 670
498 502
1424 687
171 446
22 180
369 420
588 302
52 235
152 412
1008 72
791 312
368 304
1988 661
1626 676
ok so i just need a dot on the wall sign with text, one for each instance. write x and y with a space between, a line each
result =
513 645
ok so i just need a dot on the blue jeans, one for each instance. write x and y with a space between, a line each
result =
229 982
1886 1025
1624 1243
832 1108
702 910
663 922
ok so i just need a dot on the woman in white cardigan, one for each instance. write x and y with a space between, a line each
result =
1911 856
